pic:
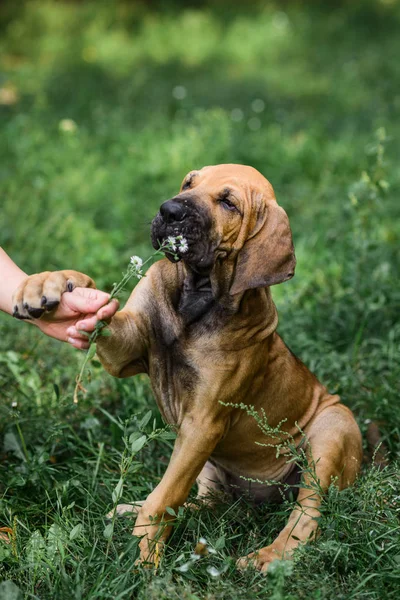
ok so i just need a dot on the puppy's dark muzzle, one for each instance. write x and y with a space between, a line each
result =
184 216
172 211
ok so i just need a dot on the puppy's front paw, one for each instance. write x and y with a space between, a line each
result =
261 559
151 553
42 292
125 510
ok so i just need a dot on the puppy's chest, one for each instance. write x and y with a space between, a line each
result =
177 371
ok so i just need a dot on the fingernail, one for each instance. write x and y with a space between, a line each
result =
71 331
70 340
81 326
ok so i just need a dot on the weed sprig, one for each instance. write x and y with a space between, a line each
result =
173 245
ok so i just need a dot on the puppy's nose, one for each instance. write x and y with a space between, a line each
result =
172 210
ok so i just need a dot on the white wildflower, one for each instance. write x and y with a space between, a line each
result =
136 262
14 404
203 541
195 557
171 241
183 246
213 571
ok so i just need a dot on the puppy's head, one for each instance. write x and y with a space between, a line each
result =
229 213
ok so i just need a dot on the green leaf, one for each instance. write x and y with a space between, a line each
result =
5 552
108 531
11 444
9 591
35 548
116 495
56 538
84 333
90 423
138 444
91 352
167 435
220 543
170 511
145 420
76 531
105 332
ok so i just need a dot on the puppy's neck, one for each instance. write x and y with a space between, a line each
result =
207 293
197 297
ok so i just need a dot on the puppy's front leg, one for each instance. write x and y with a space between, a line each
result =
196 440
123 352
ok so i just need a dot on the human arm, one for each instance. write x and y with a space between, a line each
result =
63 311
11 276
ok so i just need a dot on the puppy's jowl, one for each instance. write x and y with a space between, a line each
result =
204 330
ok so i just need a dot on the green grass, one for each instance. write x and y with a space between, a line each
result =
328 138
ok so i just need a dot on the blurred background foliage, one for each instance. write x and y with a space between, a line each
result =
104 107
155 89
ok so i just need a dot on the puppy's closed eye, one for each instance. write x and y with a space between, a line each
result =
225 199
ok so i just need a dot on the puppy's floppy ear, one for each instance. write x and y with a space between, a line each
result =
267 256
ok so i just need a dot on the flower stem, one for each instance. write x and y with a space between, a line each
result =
135 269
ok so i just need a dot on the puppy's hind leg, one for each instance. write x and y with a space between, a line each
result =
334 456
210 487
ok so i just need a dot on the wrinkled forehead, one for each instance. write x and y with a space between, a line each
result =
221 176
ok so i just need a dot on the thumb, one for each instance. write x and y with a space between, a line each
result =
86 300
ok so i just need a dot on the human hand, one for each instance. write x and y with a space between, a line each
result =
61 303
77 311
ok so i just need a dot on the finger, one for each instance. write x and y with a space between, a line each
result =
88 324
108 311
86 300
80 344
72 332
